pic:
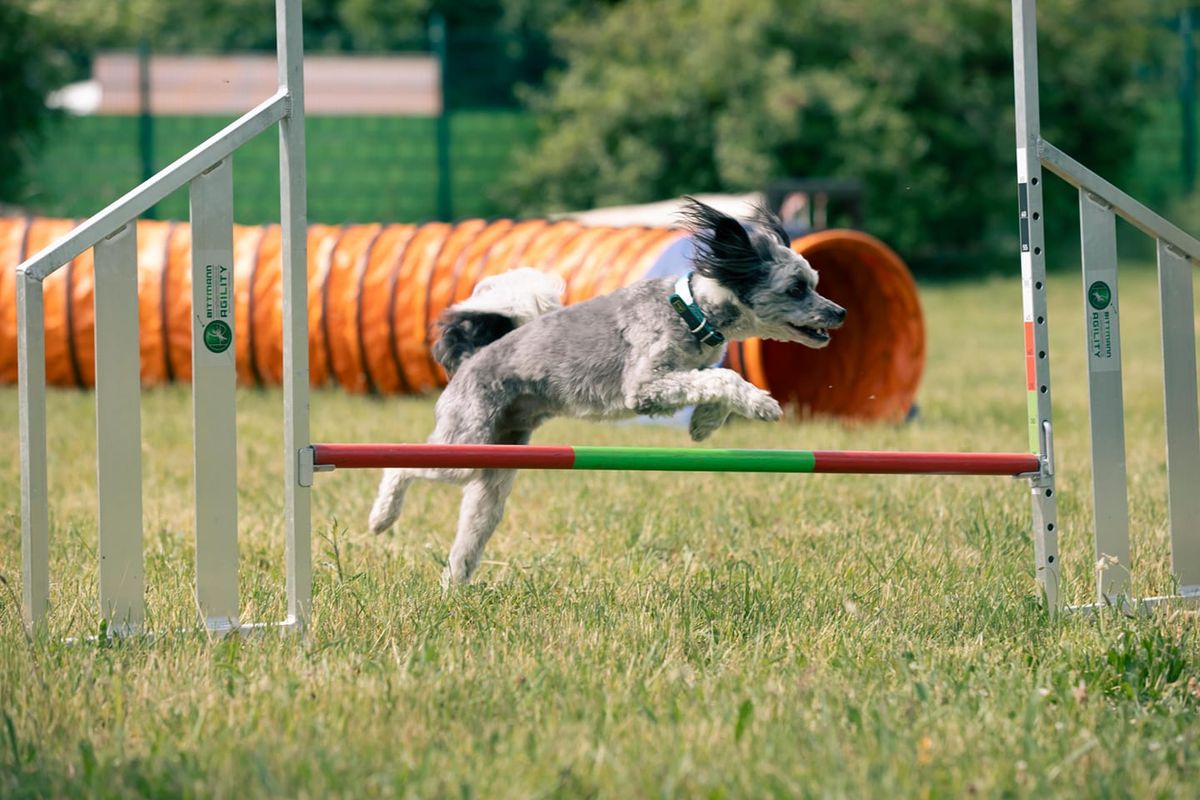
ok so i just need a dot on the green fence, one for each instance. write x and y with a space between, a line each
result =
361 169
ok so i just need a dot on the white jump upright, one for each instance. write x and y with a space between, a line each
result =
293 209
118 423
1033 296
1099 204
214 379
208 172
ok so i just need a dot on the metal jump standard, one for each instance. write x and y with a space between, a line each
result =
207 171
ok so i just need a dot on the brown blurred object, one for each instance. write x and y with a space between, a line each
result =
376 290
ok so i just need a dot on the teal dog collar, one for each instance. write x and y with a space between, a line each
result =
698 325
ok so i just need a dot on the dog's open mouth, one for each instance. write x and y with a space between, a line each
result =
816 335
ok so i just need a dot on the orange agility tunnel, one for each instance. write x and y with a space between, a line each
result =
375 291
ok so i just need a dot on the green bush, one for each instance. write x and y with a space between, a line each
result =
33 62
662 97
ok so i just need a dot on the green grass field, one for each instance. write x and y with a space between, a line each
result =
632 635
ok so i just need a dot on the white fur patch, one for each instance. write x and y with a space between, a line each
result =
520 294
713 292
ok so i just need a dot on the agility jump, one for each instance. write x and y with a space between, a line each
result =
328 457
206 170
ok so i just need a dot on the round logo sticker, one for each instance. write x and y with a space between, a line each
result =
218 336
1099 295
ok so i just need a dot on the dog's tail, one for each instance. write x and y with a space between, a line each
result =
499 305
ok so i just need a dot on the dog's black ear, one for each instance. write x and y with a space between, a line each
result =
766 218
723 249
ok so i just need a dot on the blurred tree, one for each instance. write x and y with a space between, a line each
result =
192 25
34 60
662 97
329 25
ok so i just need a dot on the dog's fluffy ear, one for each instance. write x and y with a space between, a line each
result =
769 222
723 249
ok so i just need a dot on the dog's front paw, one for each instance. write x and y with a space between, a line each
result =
763 406
706 418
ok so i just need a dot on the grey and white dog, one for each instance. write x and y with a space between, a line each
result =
517 358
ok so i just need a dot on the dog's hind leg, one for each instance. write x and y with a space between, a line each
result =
451 429
389 499
481 511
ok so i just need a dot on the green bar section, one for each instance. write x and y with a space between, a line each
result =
1035 439
679 459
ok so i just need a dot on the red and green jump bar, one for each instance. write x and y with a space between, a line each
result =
670 459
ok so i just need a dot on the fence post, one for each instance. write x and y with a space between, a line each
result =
145 119
445 199
1187 98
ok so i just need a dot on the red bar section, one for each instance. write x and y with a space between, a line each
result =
479 456
866 462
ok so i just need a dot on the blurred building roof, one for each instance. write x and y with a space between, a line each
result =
233 84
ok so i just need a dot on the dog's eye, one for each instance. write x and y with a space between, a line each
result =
798 291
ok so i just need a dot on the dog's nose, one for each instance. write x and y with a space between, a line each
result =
839 314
